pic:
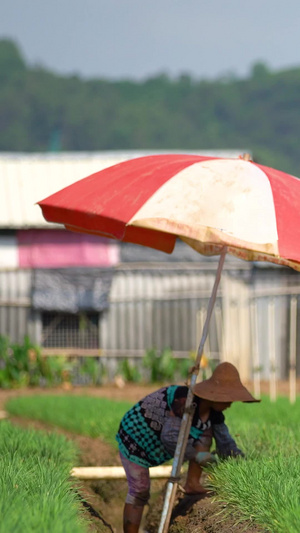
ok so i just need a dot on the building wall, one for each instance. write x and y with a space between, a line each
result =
166 307
161 303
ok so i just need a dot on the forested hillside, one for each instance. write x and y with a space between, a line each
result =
42 111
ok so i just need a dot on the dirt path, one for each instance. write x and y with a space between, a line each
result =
106 498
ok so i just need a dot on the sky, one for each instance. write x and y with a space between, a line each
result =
139 39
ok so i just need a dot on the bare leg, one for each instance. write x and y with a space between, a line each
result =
132 517
138 494
193 485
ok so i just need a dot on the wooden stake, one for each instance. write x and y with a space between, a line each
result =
255 347
272 354
293 341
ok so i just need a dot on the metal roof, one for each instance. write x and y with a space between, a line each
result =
26 178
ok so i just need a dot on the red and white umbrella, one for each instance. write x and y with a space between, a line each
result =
207 202
215 205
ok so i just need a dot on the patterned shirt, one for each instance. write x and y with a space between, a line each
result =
140 428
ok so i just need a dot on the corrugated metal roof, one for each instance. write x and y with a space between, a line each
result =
28 178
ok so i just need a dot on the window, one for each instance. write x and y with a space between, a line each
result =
65 330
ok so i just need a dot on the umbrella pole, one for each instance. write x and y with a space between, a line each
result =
189 411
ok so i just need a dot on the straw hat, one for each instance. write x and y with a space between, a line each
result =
223 386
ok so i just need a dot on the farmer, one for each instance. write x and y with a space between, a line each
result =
149 431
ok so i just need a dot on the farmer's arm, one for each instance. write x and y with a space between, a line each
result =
225 444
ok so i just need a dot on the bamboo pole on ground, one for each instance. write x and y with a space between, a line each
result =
115 472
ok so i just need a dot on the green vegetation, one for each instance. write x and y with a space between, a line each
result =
23 365
35 492
159 366
42 111
164 367
265 486
129 371
93 417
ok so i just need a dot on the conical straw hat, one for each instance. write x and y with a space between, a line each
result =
223 386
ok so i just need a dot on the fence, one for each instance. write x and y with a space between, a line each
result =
254 324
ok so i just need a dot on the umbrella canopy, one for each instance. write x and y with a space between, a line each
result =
207 202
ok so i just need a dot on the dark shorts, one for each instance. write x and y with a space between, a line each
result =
138 479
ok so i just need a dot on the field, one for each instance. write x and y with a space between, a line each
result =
260 493
35 493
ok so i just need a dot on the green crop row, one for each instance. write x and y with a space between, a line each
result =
94 417
263 487
35 492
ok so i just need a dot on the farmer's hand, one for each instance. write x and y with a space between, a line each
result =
235 453
205 458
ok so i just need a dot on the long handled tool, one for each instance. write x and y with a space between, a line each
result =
189 410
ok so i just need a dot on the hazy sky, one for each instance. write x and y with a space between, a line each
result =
140 38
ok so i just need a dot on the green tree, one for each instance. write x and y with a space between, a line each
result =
11 60
42 111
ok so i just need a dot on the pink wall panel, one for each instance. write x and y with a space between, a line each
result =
60 248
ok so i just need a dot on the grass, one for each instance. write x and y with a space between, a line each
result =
264 487
93 417
35 493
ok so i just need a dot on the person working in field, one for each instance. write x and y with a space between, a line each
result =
149 431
